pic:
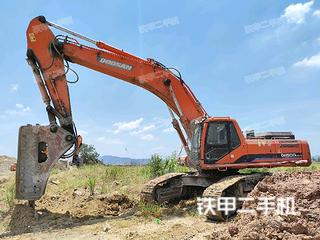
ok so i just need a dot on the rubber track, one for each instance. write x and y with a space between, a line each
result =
148 190
217 190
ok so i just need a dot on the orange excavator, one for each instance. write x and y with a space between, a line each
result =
216 147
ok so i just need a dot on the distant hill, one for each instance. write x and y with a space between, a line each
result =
4 158
113 160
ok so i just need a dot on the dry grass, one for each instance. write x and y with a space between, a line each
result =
101 179
9 193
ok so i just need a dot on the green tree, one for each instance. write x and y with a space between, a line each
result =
89 155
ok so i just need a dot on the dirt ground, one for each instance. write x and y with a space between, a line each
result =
116 219
74 214
122 228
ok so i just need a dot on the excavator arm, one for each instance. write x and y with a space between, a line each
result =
49 57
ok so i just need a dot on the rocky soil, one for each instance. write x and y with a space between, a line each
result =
303 223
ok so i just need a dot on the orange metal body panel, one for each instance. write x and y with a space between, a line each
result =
282 149
39 36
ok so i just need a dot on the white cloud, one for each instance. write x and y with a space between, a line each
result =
143 130
127 126
161 121
269 73
316 13
19 110
313 61
295 13
65 21
135 129
267 125
143 134
19 105
147 137
149 127
168 130
14 87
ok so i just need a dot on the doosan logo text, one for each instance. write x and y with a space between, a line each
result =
290 155
113 63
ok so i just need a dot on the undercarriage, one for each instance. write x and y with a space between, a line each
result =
176 186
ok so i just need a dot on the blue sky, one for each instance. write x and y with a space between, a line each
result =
256 61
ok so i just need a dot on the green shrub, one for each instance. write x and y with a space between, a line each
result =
105 187
144 172
114 172
156 165
92 185
10 194
151 209
170 164
159 165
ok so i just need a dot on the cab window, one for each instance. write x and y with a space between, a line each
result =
217 134
196 137
221 139
234 138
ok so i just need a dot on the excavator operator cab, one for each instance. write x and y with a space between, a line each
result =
219 137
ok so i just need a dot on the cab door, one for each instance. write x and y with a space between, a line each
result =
221 139
216 143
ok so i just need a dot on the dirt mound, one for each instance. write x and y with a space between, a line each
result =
79 203
22 219
303 223
65 210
